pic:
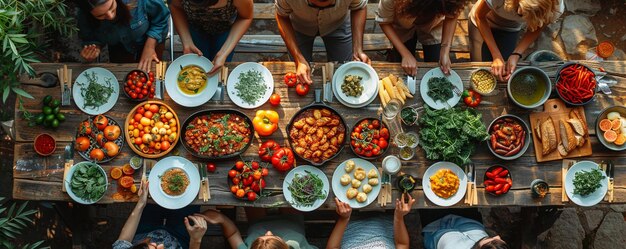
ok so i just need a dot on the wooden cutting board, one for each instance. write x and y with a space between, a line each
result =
557 109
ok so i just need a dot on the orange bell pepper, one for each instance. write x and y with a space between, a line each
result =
265 122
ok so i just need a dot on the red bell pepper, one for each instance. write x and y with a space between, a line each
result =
471 98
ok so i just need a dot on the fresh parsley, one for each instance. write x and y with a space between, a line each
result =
586 182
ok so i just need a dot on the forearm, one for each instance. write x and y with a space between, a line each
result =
447 34
195 244
180 22
485 31
288 35
400 234
527 39
334 241
231 233
357 19
395 40
130 227
150 43
236 32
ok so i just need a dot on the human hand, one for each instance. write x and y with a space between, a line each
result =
409 64
445 64
498 69
403 208
143 194
212 216
511 64
303 72
361 56
191 48
90 52
343 209
218 63
147 56
196 232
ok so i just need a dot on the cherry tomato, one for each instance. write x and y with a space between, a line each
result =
251 196
275 99
241 193
232 173
302 89
265 172
211 167
239 165
255 165
382 143
139 85
234 189
133 95
140 110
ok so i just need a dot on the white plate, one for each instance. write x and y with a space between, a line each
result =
460 193
591 199
171 84
300 170
453 78
68 180
369 82
340 191
101 74
171 202
233 79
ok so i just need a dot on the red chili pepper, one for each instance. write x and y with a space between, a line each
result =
489 182
497 170
499 187
499 180
503 173
490 175
506 188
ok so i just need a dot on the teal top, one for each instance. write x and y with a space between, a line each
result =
369 233
149 18
453 232
289 228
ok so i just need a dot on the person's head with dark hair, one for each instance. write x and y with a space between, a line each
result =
204 2
109 10
269 241
429 8
491 243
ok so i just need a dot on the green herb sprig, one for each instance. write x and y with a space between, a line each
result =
439 89
251 86
306 189
586 182
94 93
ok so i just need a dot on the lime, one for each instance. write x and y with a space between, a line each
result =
47 110
55 123
56 110
49 117
60 117
39 119
47 99
47 123
54 103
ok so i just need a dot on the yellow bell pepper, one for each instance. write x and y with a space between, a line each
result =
265 122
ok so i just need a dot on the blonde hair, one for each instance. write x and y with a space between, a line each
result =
272 242
537 13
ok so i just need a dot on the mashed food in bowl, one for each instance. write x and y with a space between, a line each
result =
174 181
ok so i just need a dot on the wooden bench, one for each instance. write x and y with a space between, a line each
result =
373 40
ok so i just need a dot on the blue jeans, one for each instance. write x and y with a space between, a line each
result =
210 44
153 217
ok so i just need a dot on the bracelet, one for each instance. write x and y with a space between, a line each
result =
520 55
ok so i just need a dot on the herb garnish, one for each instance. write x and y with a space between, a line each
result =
439 89
94 94
586 182
251 86
306 189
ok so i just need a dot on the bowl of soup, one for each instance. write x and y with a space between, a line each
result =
191 79
529 87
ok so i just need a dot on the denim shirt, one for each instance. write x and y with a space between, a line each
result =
453 231
149 18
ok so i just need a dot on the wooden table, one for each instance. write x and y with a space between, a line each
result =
39 178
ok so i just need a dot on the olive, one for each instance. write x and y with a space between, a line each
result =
47 99
47 110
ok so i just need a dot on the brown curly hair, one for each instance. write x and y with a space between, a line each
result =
429 9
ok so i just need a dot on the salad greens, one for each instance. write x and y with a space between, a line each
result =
94 93
451 134
88 182
586 182
439 89
251 86
306 189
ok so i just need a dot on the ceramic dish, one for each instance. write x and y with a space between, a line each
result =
369 82
612 146
168 201
68 183
173 135
301 171
103 77
460 193
340 191
93 142
233 80
591 199
453 78
527 138
534 74
171 81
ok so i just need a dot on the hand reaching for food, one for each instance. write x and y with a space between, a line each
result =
90 52
343 209
303 72
218 63
404 207
191 48
147 56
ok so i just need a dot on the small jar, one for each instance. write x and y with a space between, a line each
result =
406 153
406 183
136 162
539 188
412 140
408 115
391 165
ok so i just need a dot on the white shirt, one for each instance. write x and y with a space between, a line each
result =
502 19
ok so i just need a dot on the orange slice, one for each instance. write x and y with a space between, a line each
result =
605 124
128 170
610 136
616 124
621 138
116 173
128 181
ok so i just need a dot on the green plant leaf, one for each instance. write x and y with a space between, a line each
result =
7 233
11 209
21 92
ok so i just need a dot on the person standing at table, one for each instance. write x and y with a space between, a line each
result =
456 232
340 23
431 22
495 26
211 27
371 232
145 228
133 30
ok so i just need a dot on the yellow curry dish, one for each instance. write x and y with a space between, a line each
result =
174 182
192 79
444 183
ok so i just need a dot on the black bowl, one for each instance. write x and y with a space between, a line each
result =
382 152
126 79
507 176
527 138
558 76
404 178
